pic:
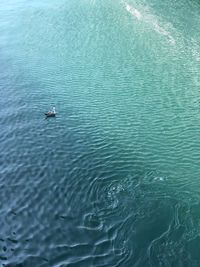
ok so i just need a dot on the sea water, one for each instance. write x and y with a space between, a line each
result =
112 180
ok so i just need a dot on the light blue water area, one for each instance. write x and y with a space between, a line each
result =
113 179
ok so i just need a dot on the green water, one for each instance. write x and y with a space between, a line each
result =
114 179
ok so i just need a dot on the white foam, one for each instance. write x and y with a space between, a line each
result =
133 11
163 32
150 20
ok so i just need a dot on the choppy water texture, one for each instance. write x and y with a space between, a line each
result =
114 179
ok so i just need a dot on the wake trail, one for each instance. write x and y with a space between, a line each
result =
150 20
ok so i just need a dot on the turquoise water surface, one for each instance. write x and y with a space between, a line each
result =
114 179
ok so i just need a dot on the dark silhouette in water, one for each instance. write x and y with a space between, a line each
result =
51 113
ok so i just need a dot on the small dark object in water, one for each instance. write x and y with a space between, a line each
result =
51 113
